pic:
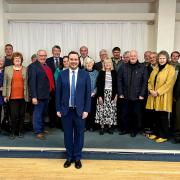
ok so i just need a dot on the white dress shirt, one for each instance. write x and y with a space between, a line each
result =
70 81
56 58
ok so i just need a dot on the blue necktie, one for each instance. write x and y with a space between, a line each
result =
73 89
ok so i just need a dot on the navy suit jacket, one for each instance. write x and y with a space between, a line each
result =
50 63
38 81
82 93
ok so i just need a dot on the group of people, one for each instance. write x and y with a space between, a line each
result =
80 94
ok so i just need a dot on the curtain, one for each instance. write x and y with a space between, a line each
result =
28 37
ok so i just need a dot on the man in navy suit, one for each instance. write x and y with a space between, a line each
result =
54 62
73 102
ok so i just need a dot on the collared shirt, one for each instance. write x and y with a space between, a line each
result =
56 58
70 81
83 60
176 66
117 63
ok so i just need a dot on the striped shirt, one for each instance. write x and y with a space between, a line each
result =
108 81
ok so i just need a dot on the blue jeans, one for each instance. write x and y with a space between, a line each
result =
38 116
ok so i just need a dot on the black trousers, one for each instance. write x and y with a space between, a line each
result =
90 120
0 114
17 115
149 121
120 123
54 121
131 115
161 128
173 118
177 123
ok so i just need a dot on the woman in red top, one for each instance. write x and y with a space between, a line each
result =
15 92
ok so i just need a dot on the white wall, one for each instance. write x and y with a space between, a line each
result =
122 11
87 12
177 7
151 39
177 36
83 8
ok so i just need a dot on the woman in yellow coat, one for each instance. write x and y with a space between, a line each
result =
160 87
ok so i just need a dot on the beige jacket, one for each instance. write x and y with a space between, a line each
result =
8 74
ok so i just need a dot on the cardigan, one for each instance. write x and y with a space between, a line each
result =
8 75
101 84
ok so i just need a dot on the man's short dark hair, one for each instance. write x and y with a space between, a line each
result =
74 52
116 49
177 52
10 45
65 57
57 47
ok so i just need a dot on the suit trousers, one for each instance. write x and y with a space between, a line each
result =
132 115
177 124
17 115
73 126
38 116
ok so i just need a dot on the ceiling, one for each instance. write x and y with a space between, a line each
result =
76 1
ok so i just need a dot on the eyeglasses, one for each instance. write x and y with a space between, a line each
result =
42 55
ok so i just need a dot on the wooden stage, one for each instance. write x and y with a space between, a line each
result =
52 169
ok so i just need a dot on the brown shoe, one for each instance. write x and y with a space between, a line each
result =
46 132
40 136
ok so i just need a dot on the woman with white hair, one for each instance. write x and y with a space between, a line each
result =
89 67
106 112
103 54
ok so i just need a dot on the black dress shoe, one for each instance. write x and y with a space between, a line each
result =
78 164
12 136
67 164
133 134
110 131
20 135
123 132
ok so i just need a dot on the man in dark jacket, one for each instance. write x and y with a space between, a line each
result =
54 62
41 84
177 103
132 85
8 57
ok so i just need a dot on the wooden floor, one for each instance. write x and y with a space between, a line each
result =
13 169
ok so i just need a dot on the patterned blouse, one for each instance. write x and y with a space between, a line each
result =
93 76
